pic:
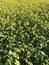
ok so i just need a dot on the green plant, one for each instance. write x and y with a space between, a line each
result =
24 33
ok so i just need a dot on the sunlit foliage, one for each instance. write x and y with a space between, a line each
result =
24 32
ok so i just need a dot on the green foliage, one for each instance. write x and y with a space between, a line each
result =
24 34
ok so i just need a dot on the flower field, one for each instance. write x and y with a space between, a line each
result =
24 32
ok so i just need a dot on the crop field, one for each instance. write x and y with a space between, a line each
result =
24 32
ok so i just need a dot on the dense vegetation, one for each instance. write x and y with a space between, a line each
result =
24 32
